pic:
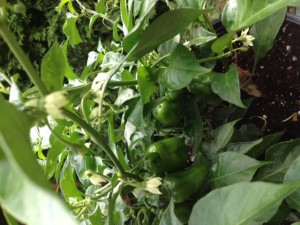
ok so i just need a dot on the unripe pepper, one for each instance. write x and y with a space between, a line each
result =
201 86
185 183
169 113
167 155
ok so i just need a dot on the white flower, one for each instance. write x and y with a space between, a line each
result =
95 178
54 102
153 184
246 39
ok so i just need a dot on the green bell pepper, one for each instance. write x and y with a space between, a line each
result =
201 86
185 183
169 113
167 155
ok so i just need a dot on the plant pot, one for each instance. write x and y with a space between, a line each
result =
277 77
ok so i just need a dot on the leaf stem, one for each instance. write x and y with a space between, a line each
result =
214 58
23 59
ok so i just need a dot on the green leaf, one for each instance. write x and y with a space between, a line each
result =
100 7
196 4
200 36
293 174
265 32
227 86
146 85
266 143
281 155
182 69
233 168
92 21
14 123
169 216
69 71
218 139
9 219
222 43
241 204
67 182
18 195
70 29
133 36
162 29
239 14
53 68
56 149
243 147
61 4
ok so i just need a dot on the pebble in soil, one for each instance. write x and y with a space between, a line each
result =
277 76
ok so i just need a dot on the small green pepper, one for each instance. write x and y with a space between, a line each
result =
173 95
167 155
201 86
185 183
168 113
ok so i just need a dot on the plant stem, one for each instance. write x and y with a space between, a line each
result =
160 59
122 83
97 138
214 58
23 59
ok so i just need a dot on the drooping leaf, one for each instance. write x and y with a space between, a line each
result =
239 14
227 86
53 68
293 174
241 204
69 71
162 29
100 7
233 167
146 86
182 69
281 155
265 32
169 216
70 29
218 139
18 195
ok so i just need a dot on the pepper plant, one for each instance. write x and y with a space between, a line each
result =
150 132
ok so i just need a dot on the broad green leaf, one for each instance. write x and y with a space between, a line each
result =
265 32
241 204
67 182
14 123
169 216
281 155
162 29
233 167
297 223
126 15
243 147
266 143
227 86
200 36
222 43
182 69
219 138
147 86
70 29
133 36
92 21
293 174
53 68
28 202
9 219
239 14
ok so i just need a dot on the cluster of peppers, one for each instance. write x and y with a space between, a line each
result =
169 157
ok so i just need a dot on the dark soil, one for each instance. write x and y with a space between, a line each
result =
278 78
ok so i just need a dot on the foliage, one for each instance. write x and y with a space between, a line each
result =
147 130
